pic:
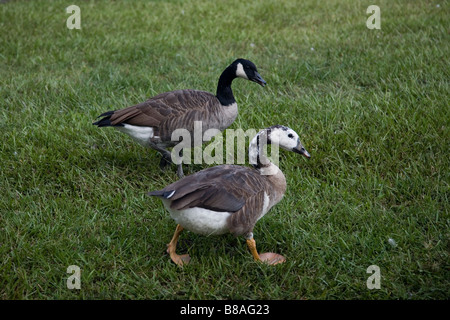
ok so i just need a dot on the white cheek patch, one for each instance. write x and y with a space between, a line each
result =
281 138
289 142
240 71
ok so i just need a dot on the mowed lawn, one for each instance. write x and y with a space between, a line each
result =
371 106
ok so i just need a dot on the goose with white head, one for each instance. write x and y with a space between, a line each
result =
151 123
231 198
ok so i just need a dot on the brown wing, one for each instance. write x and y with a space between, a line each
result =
242 221
162 107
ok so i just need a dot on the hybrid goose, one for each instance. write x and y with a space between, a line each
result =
151 123
231 198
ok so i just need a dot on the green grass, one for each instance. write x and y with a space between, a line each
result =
371 106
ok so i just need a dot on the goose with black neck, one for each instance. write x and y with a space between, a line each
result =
152 122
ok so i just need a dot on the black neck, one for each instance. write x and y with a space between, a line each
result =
262 161
224 92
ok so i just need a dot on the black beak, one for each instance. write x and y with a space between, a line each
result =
258 79
302 151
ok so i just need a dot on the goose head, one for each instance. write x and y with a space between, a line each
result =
247 70
287 139
279 135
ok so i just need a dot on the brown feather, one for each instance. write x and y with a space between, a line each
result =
173 110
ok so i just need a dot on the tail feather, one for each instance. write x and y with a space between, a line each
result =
162 193
105 121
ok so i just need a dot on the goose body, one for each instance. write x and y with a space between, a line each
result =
222 199
152 122
230 198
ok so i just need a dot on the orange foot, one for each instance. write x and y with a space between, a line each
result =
272 258
171 247
180 260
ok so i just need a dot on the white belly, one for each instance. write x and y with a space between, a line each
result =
140 134
199 220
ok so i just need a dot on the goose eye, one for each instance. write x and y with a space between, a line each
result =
290 135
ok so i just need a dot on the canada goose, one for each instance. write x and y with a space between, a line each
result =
231 198
152 122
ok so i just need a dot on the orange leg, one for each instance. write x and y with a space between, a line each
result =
172 246
268 257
